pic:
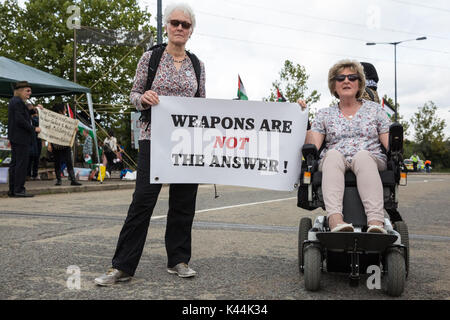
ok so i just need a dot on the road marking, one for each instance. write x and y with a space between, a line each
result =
244 205
231 207
429 180
207 224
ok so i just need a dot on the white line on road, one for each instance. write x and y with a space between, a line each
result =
234 206
428 180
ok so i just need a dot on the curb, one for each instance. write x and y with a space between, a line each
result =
72 189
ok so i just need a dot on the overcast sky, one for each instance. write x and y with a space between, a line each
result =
253 38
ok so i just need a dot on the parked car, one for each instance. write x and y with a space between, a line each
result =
409 165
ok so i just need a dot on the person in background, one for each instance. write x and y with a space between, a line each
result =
370 91
175 76
415 161
427 166
62 153
36 145
109 151
20 134
87 148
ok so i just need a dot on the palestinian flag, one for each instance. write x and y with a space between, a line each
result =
387 108
242 95
82 127
280 97
71 115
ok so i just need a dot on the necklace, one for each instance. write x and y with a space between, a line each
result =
179 61
348 116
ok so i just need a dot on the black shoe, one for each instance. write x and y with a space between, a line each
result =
23 195
75 183
58 183
10 194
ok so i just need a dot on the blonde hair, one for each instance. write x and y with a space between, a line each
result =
353 65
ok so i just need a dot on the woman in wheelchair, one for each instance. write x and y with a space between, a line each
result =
351 134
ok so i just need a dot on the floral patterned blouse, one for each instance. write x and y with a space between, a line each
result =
349 136
168 82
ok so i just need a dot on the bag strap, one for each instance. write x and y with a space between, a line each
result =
197 69
155 58
157 52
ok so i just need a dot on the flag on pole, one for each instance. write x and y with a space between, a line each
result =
242 95
280 97
82 127
387 108
71 115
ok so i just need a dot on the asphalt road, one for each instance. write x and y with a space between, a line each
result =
244 246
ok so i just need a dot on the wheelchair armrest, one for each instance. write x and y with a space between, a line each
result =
309 151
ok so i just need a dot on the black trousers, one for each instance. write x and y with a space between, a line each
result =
63 156
33 163
18 167
180 217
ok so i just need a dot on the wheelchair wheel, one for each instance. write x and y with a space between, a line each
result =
402 229
312 268
396 273
304 227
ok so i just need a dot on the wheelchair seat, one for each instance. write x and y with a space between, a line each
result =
310 195
387 178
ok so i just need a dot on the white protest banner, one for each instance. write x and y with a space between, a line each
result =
57 128
230 142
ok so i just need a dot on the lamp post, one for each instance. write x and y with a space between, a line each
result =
395 61
159 22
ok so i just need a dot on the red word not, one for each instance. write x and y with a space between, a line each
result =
231 142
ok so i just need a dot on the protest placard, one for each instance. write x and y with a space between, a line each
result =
244 143
57 128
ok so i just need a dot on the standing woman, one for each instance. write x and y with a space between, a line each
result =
175 76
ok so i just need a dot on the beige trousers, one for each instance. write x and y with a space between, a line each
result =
365 166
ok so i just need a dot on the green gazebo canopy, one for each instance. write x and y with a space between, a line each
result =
42 83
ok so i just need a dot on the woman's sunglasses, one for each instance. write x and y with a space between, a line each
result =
184 24
350 77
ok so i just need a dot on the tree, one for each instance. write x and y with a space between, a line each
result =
428 126
429 134
292 84
37 35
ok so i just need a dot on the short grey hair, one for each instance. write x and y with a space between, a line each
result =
184 7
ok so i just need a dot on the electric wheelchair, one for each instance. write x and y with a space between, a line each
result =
320 250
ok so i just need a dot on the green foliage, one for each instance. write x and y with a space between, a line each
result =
37 35
428 127
429 136
293 85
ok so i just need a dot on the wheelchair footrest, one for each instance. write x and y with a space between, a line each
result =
355 241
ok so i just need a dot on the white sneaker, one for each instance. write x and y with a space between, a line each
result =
182 270
111 277
343 227
376 229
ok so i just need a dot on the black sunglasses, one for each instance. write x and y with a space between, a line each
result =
184 24
351 77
